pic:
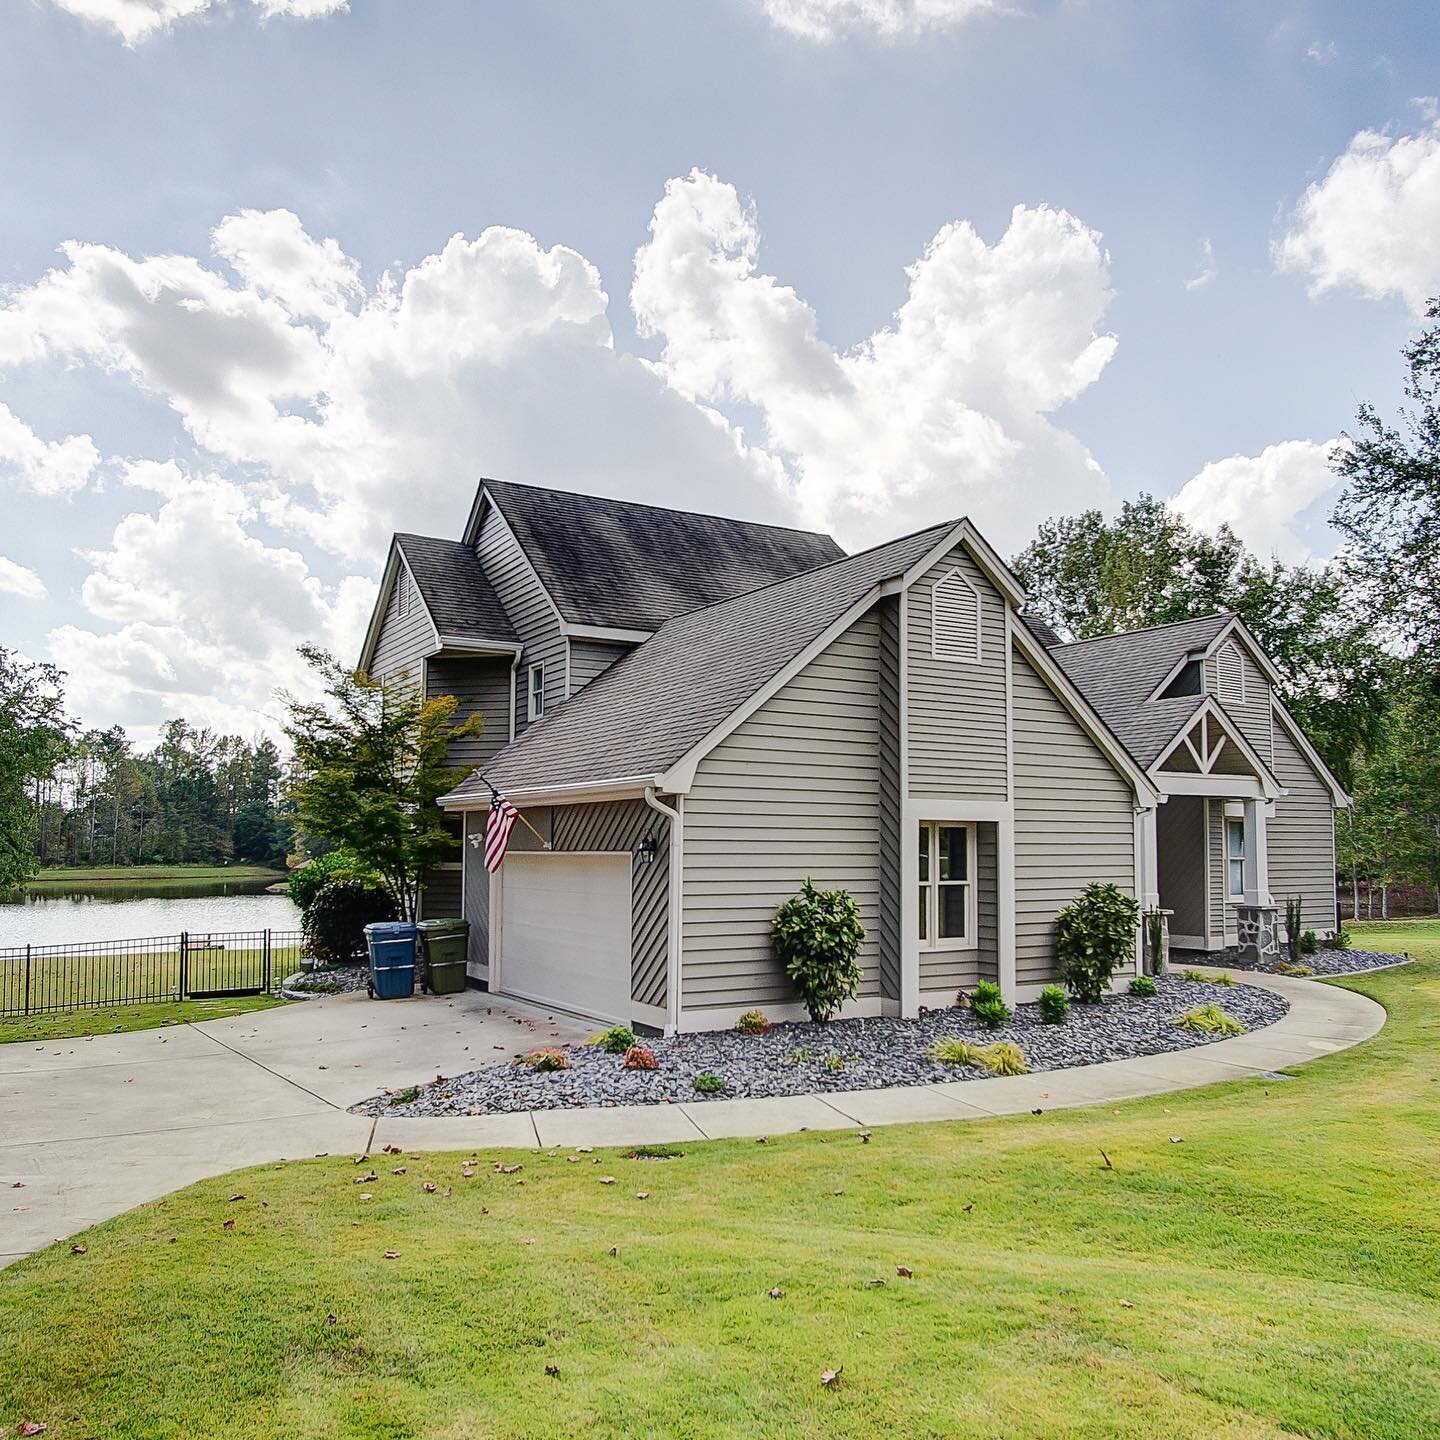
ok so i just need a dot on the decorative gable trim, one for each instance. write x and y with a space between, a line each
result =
1203 736
956 618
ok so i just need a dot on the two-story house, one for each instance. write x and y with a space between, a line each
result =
696 713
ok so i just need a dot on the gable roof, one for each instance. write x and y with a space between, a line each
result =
452 583
651 708
621 565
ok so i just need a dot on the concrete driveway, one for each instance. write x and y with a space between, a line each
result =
90 1128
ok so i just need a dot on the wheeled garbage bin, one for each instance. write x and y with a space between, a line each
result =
446 945
391 944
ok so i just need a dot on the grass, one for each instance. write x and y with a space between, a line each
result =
1272 1274
101 875
1210 1020
112 1019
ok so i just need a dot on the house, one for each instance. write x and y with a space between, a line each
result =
695 713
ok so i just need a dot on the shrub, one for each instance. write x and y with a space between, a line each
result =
1210 1020
638 1057
988 1006
834 1062
1337 939
1143 987
950 1050
1299 971
1293 922
1094 935
1004 1057
544 1061
1054 1005
614 1041
1194 976
817 936
707 1084
304 883
799 1055
1157 945
753 1022
405 1096
334 924
1309 943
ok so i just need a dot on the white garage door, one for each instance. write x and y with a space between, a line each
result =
565 931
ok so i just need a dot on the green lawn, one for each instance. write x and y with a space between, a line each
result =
109 1019
149 875
1272 1274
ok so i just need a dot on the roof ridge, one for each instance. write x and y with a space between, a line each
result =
1149 629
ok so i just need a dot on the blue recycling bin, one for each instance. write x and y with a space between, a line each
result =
391 944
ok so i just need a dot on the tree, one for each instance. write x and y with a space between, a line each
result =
372 762
1087 576
35 737
1389 511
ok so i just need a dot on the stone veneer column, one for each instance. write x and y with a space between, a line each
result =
1258 927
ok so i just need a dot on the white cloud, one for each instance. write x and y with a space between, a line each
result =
1207 270
1371 222
829 19
16 579
136 20
1322 52
49 467
942 413
1264 498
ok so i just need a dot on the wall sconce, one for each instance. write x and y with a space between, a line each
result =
645 851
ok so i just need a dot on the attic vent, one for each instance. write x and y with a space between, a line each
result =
954 618
404 590
1230 665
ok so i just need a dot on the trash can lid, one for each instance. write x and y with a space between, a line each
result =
446 925
391 930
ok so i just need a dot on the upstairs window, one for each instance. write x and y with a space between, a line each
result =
955 619
1230 666
537 691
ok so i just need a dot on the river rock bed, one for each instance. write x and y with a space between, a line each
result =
308 985
792 1058
1339 962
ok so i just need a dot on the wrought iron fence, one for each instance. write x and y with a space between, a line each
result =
38 979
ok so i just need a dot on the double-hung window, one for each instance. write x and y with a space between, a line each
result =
537 691
1235 857
947 886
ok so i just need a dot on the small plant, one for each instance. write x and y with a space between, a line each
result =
405 1096
1004 1057
1299 971
1337 939
657 1152
950 1050
1156 943
988 1005
1194 976
1294 920
834 1062
706 1083
817 936
1223 978
1144 988
753 1022
637 1057
544 1061
1209 1020
799 1055
1054 1005
614 1041
1309 943
1094 935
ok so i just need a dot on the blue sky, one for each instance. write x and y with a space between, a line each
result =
263 409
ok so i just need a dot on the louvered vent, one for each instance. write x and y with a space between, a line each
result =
955 618
1231 666
402 590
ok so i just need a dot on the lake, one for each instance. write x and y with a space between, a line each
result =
134 912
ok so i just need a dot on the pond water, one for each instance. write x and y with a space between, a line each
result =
134 912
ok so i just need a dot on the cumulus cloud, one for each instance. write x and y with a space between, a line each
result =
19 580
944 412
136 20
1370 223
1264 498
829 19
49 467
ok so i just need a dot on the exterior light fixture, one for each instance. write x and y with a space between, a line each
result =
645 851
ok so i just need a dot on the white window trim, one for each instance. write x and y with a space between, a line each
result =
971 940
940 652
530 691
1229 822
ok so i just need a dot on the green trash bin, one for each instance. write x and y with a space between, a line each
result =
446 943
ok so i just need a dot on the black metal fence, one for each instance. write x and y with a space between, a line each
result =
40 979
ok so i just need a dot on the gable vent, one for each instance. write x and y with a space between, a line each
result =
1230 665
404 591
954 618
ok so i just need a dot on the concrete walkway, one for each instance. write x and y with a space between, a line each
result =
94 1127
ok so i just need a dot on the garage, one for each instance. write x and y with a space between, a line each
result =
565 931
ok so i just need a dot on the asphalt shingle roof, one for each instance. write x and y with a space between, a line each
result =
650 708
633 567
453 585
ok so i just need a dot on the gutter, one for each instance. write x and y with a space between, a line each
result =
676 817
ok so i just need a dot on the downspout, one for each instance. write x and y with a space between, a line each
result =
676 817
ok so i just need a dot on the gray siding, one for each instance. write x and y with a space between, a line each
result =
956 708
1074 821
403 639
1301 837
589 658
530 612
481 684
888 908
1252 716
475 902
793 791
441 898
1222 912
1180 842
950 970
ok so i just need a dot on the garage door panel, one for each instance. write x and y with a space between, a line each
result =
565 931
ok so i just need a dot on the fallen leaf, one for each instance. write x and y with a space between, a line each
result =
332 1319
777 1293
875 1282
839 1192
642 1194
1128 1304
831 1378
390 1150
1106 1159
1177 1139
762 1139
392 1255
33 1427
607 1179
365 1179
507 1169
228 1225
447 1192
78 1249
968 1206
864 1137
1037 1111
552 1370
905 1272
398 1170
429 1187
366 1195
234 1198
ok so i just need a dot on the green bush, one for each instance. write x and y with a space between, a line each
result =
817 936
1210 1020
305 883
753 1022
1309 943
614 1041
1143 987
1337 939
1004 1058
949 1050
1294 907
406 1096
334 922
1054 1005
707 1084
988 1005
1094 936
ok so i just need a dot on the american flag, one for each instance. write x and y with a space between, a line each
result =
503 816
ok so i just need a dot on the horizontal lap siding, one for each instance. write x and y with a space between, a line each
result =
403 639
481 686
475 906
1074 821
888 619
1222 912
1300 837
954 969
956 708
441 898
589 658
794 791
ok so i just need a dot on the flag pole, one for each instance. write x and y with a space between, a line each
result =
520 816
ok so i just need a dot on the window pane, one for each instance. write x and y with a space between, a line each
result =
952 911
924 853
1235 838
924 912
1237 877
954 853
